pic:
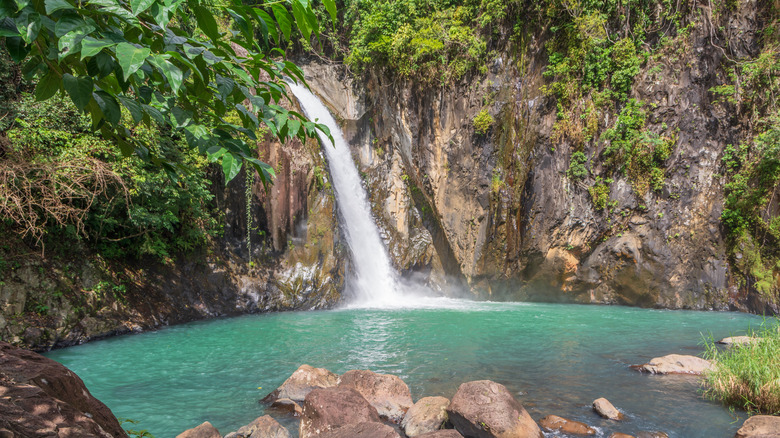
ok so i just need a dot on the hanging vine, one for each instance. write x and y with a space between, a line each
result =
248 182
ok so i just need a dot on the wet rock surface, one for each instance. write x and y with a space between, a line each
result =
387 393
554 423
40 397
487 409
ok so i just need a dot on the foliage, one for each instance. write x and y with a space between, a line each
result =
747 376
482 122
639 152
577 169
167 63
599 194
430 41
124 206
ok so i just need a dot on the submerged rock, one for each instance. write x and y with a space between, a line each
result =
554 423
621 435
362 430
606 409
652 435
263 427
675 364
42 398
486 409
760 426
326 409
427 415
205 430
301 382
387 393
287 406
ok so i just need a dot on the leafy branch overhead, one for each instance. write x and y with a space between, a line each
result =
215 87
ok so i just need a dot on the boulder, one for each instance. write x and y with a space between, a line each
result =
301 382
327 409
287 406
621 435
443 433
760 426
737 340
554 423
606 409
486 409
362 430
387 393
263 427
675 364
427 415
41 397
205 430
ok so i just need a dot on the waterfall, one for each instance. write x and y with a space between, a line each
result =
374 283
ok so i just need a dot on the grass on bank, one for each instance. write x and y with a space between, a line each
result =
747 376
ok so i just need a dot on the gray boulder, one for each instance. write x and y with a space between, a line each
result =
301 382
486 409
604 408
675 364
362 430
387 393
760 426
427 415
328 409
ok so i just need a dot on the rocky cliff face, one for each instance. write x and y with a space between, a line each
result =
498 211
296 263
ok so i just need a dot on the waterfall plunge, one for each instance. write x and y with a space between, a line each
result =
374 283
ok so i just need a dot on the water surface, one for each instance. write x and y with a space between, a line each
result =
555 358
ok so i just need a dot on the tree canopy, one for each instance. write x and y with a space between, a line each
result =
171 63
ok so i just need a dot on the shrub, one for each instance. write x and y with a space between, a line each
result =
482 122
747 376
599 194
577 169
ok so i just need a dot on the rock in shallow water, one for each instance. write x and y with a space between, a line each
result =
737 340
486 409
287 406
427 415
554 423
327 409
301 382
387 393
606 409
675 364
760 426
205 430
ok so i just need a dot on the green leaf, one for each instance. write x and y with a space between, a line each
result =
29 25
70 43
68 23
47 86
53 6
79 89
136 112
207 23
283 19
299 11
131 58
16 48
270 24
109 106
92 46
139 6
230 166
330 5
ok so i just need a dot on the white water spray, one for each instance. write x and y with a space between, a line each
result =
374 283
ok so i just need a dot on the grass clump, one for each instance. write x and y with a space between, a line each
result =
482 122
747 376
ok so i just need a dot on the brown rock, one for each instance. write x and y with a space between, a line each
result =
427 415
327 409
263 427
606 409
387 393
486 409
443 433
651 435
287 406
205 430
39 396
362 430
621 435
760 426
553 423
675 364
301 382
